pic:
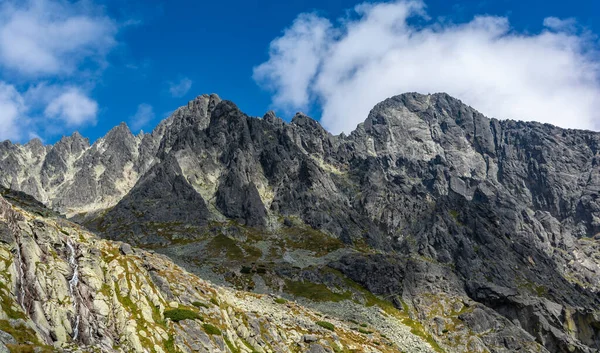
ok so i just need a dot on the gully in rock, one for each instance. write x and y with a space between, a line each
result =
21 274
73 282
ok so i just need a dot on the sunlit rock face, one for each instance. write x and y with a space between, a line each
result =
64 289
485 232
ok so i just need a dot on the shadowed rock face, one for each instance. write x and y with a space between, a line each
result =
502 213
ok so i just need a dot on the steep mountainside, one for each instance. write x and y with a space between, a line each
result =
63 288
486 233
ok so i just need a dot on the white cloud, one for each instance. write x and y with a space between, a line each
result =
51 52
379 52
555 23
73 108
48 37
179 89
142 116
12 108
295 58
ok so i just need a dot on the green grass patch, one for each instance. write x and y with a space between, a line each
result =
222 244
280 301
200 305
28 348
307 238
211 329
169 345
326 325
230 345
315 291
177 315
214 301
21 334
7 304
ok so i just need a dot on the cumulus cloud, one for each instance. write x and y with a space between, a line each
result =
73 108
12 107
384 49
50 54
179 89
295 59
45 37
143 115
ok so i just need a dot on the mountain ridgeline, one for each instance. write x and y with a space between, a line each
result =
483 234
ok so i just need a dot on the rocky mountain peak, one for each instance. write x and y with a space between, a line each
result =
306 122
483 231
120 139
73 144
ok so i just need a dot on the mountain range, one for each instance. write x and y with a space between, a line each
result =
435 227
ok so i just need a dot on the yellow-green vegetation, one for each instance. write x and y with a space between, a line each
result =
362 246
214 301
179 314
534 288
329 167
230 345
221 245
280 301
315 291
307 238
320 292
211 329
326 325
403 315
200 305
7 303
131 307
169 345
456 216
26 338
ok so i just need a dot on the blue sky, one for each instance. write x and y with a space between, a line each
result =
150 57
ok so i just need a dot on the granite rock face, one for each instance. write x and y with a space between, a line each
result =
63 289
476 225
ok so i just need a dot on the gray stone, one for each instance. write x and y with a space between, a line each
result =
7 338
310 338
126 249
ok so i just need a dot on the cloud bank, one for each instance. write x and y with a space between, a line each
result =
50 54
384 49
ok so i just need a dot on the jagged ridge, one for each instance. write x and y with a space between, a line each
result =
501 213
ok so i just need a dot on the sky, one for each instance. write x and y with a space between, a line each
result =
87 65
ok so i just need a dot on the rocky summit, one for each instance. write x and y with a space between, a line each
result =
430 228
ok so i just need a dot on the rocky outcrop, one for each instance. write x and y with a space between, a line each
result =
64 289
438 207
